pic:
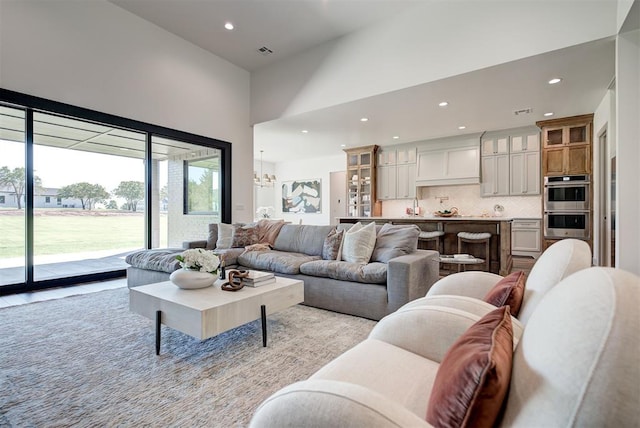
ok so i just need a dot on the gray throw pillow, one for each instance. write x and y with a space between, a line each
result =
212 240
395 240
332 244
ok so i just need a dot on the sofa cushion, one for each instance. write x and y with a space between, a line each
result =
394 240
509 291
473 378
160 259
306 239
275 261
332 244
359 242
370 273
229 255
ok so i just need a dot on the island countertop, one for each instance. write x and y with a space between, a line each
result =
499 228
424 218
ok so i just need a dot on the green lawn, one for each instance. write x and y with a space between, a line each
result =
73 233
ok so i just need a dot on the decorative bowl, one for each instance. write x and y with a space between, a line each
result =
446 213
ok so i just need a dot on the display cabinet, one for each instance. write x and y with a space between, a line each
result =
361 182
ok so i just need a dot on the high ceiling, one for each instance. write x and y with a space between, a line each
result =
483 100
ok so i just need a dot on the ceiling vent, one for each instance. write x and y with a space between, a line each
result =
265 50
523 111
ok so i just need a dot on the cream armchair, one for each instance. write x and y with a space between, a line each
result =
575 365
556 263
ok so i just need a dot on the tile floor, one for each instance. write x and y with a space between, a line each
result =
57 293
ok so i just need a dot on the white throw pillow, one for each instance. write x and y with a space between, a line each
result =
358 243
225 236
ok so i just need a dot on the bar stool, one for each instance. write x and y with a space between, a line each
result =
433 236
477 238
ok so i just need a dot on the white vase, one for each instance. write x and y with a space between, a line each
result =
192 279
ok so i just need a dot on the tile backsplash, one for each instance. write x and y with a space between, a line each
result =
468 201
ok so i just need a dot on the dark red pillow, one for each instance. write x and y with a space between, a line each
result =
509 291
473 378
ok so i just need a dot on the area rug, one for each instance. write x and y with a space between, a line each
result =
87 361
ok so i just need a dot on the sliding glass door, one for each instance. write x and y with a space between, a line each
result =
79 190
88 196
12 196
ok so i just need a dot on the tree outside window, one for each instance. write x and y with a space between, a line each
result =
202 186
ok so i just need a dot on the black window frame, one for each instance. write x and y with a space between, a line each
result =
31 104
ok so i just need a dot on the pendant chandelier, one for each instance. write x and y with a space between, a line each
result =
263 180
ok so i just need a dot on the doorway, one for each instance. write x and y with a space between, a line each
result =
337 196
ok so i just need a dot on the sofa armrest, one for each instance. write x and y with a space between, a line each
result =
194 244
329 403
471 284
410 276
427 330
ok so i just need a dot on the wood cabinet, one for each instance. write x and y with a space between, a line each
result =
361 181
566 145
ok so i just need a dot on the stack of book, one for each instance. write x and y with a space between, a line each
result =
256 278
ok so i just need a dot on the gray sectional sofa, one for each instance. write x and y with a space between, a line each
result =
396 274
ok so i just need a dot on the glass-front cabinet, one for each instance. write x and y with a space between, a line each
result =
361 181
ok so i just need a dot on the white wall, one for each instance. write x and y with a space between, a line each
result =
433 41
308 169
99 56
628 150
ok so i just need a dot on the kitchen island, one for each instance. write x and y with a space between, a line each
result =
500 261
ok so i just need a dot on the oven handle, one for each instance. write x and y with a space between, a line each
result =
573 184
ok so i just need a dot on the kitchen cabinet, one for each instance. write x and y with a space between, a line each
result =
526 237
406 181
386 157
495 146
495 176
361 181
387 182
448 166
406 156
398 181
524 173
511 163
566 145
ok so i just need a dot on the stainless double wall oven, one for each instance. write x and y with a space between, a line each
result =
567 207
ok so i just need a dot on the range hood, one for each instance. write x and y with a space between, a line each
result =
448 162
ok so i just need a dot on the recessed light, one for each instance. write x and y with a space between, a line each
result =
462 127
555 80
548 114
228 26
364 119
395 137
443 104
343 145
304 131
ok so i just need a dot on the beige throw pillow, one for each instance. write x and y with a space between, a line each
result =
225 236
358 243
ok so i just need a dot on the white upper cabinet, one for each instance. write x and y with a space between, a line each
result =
524 178
495 176
495 146
449 166
406 181
525 143
405 156
387 157
387 182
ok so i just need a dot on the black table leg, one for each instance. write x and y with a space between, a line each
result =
158 323
263 317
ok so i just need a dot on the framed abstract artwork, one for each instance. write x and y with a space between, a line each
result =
302 196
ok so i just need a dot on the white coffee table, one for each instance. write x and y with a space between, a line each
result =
207 312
